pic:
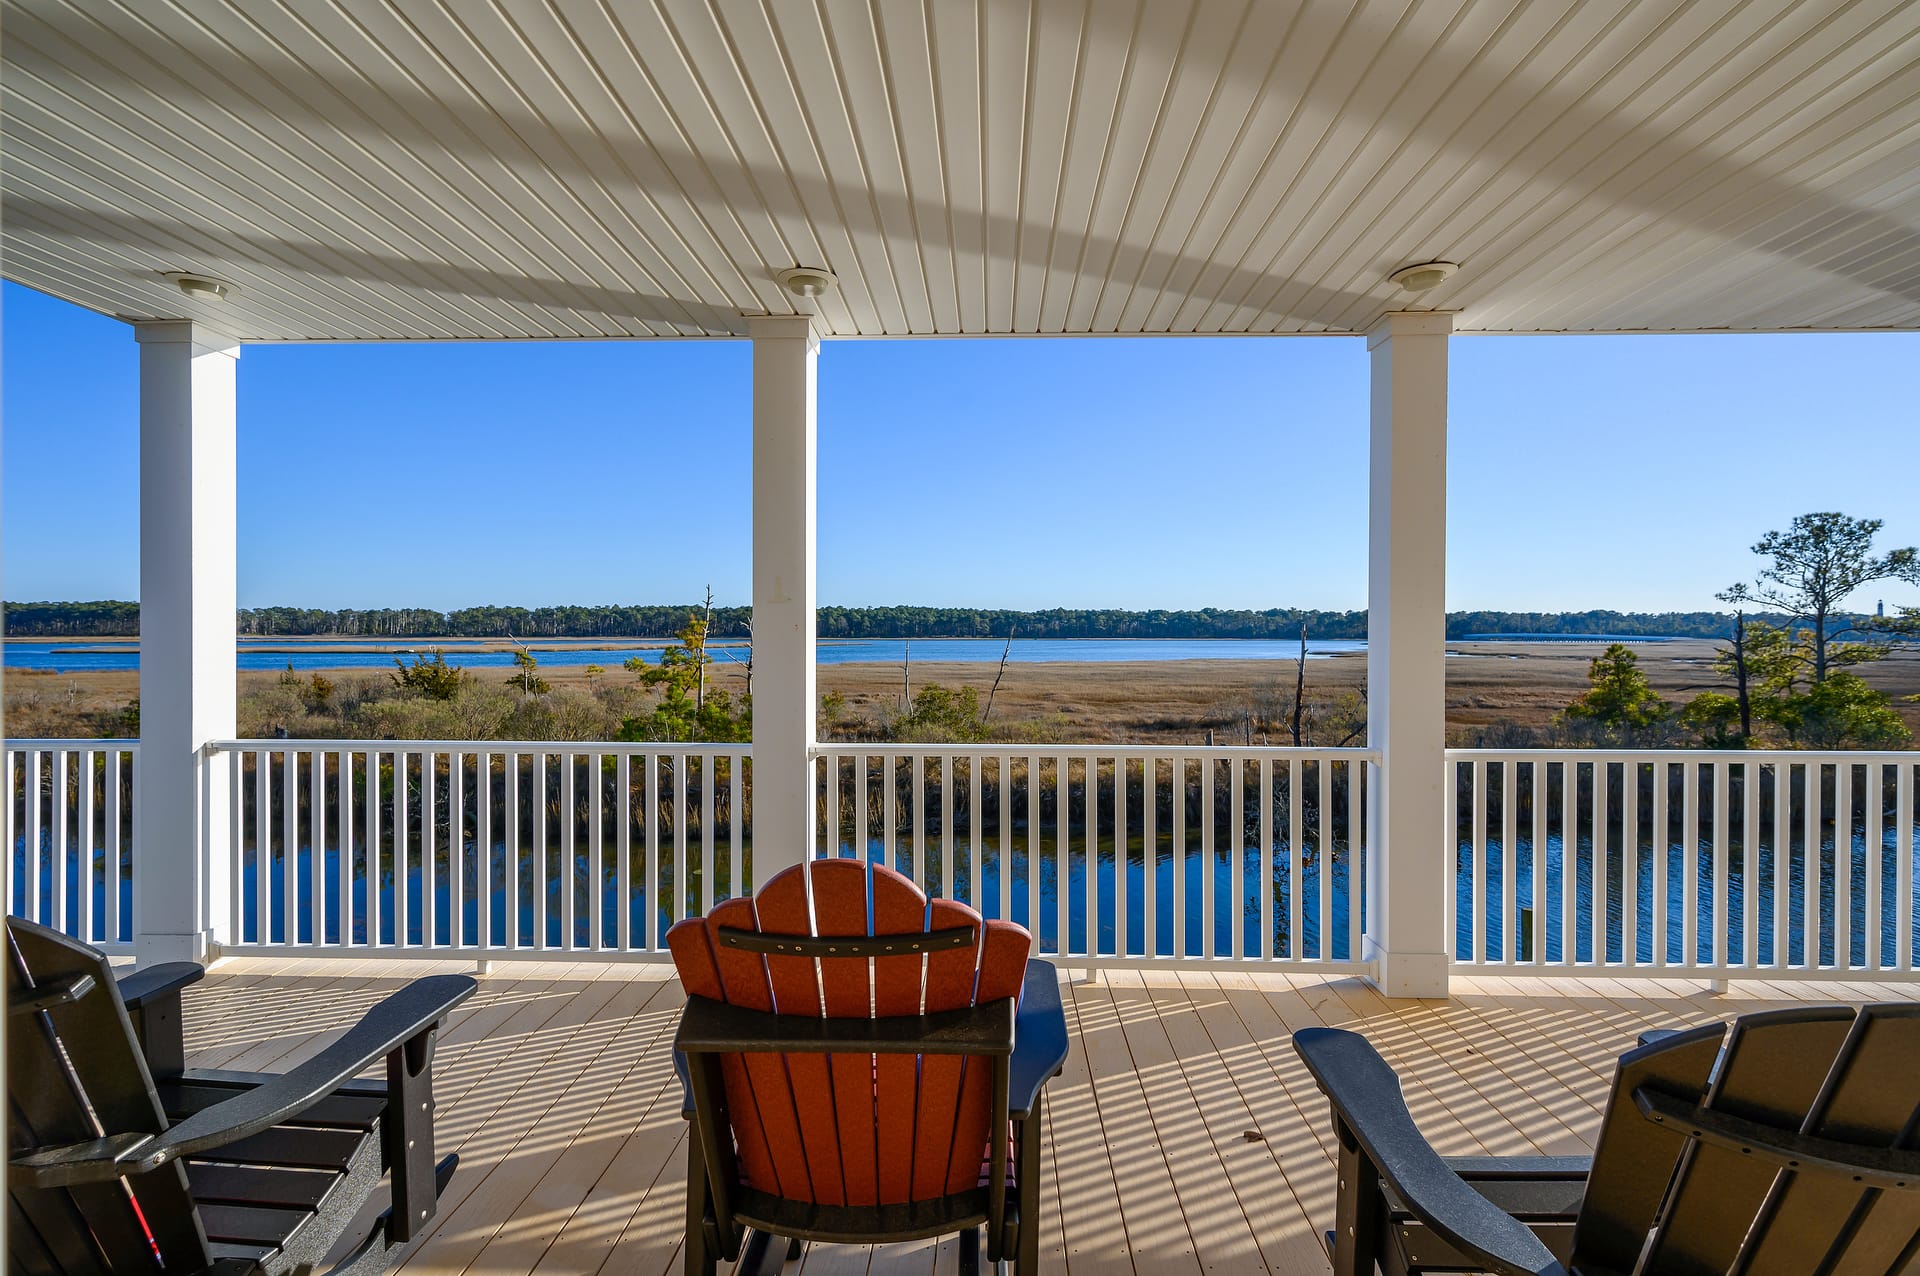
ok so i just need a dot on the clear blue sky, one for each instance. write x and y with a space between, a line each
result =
1625 472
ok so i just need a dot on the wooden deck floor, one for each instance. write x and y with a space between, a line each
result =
1184 1135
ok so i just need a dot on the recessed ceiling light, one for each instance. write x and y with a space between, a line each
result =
201 287
1423 275
807 281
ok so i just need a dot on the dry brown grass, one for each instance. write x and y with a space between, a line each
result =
1489 685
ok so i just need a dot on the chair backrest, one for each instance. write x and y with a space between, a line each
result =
74 1074
855 1129
1662 1197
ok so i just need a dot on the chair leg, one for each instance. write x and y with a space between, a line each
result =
1357 1210
700 1258
795 1248
1027 1244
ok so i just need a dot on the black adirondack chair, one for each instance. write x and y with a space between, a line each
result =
1784 1143
121 1160
862 1065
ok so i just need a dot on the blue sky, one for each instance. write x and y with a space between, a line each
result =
1625 472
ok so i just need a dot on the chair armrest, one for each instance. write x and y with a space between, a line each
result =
1039 1038
152 998
685 1074
384 1029
149 983
1367 1100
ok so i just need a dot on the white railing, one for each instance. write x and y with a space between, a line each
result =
70 830
489 849
1120 856
1683 862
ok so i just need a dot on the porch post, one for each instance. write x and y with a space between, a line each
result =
1407 865
187 600
785 352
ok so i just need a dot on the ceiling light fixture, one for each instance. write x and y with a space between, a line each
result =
201 287
807 281
1423 275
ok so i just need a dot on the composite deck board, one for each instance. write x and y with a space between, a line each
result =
555 1084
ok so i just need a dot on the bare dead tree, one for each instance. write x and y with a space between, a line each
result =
1300 685
998 675
906 677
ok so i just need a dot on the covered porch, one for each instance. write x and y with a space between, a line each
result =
1184 1136
231 174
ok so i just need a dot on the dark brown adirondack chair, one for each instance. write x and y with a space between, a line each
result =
854 1060
121 1160
1783 1143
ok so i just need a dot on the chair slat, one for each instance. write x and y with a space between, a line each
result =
840 908
1775 1067
898 909
1003 969
1627 1185
950 983
782 906
1869 1100
757 1090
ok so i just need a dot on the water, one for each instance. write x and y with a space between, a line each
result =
494 898
277 653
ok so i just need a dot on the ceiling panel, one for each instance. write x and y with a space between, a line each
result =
483 169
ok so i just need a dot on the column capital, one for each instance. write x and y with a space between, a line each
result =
784 328
1411 323
185 332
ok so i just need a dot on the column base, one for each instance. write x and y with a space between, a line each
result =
198 947
1408 974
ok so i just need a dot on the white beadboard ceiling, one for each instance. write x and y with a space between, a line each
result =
603 168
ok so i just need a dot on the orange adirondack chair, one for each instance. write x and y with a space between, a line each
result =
861 1065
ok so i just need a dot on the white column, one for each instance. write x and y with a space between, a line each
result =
785 352
1408 860
187 600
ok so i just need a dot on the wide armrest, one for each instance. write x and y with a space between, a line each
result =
382 1030
1366 1096
140 986
1039 1038
713 1027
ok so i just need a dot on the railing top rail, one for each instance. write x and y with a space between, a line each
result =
482 746
75 742
1686 755
841 748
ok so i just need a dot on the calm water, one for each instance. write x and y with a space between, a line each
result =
1620 899
78 655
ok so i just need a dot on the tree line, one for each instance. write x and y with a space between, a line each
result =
664 620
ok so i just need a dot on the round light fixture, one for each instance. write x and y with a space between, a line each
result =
807 281
1423 275
201 287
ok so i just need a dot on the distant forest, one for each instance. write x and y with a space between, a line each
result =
109 619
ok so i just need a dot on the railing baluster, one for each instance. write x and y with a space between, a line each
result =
33 848
661 912
1034 822
1810 857
1661 841
975 869
1179 832
114 803
946 826
568 871
1537 770
709 886
919 865
1323 853
510 786
1268 949
1602 856
1509 862
456 848
1356 840
624 939
346 846
1843 864
542 874
1122 855
1004 805
1477 950
1873 807
87 846
58 842
1690 864
1296 883
1209 859
686 891
1721 861
1903 864
1150 856
1630 862
1237 848
736 823
483 933
317 844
